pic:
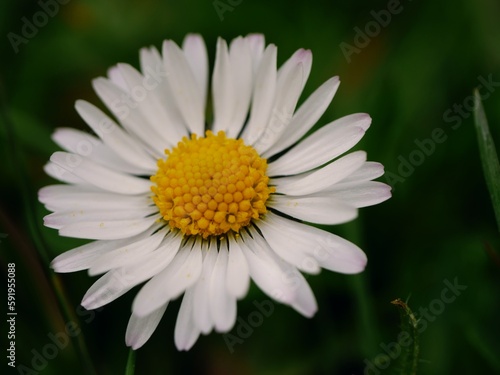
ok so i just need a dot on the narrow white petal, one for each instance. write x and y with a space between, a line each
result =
124 278
61 174
301 56
287 247
100 176
306 116
105 290
84 144
322 146
332 252
292 77
107 230
184 87
182 272
114 137
266 271
263 96
201 296
222 304
369 171
322 178
116 77
83 257
131 253
123 107
76 198
238 277
315 209
223 93
360 194
196 54
150 106
61 218
257 43
154 263
242 82
278 279
155 75
288 91
186 332
140 329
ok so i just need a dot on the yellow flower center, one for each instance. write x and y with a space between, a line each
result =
208 186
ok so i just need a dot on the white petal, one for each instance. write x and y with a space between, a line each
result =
186 333
332 252
292 77
322 146
287 247
182 272
108 288
115 138
116 77
322 178
277 278
222 88
315 209
155 74
61 218
61 174
83 257
140 329
123 107
107 230
369 171
242 82
100 176
71 197
301 56
154 263
196 54
222 304
238 277
257 44
360 194
150 107
84 144
131 253
201 296
263 96
184 87
306 116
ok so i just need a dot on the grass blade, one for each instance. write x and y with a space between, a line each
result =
489 158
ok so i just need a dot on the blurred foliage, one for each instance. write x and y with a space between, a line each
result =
412 77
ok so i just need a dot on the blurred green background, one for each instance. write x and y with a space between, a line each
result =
413 75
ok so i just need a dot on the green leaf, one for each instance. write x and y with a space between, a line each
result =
488 155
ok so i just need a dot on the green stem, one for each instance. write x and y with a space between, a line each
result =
130 363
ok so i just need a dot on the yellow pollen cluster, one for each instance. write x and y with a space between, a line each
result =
208 186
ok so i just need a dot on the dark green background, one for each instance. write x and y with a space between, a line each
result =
438 226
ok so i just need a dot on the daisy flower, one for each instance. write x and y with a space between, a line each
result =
196 207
